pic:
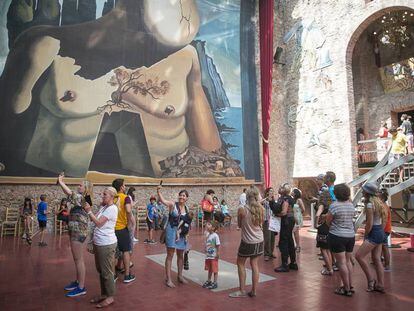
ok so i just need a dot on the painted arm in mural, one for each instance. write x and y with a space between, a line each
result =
201 127
25 64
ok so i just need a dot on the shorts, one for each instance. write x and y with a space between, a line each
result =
376 235
77 236
410 139
124 240
385 242
322 237
340 244
211 265
78 224
250 250
150 225
394 157
42 223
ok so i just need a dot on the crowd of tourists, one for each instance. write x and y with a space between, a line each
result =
263 219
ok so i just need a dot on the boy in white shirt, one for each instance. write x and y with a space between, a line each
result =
212 254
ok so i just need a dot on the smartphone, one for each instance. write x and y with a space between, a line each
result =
88 199
161 182
62 173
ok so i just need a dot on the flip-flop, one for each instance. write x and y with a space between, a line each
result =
182 280
104 304
251 294
97 299
343 292
237 294
170 285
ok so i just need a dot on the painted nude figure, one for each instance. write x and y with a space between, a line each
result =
58 87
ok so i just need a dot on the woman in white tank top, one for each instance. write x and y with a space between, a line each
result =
249 218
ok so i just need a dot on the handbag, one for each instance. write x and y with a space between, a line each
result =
206 206
274 224
163 226
322 235
89 245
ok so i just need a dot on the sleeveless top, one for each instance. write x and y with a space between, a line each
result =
250 233
27 210
175 215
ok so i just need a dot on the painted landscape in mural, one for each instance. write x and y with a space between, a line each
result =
140 88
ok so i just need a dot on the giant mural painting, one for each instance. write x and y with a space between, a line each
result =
147 88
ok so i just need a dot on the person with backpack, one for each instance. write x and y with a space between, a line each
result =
207 205
176 212
286 243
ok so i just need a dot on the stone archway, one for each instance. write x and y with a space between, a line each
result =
373 11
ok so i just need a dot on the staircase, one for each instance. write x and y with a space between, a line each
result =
384 176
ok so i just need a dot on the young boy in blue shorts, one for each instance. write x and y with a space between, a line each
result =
42 218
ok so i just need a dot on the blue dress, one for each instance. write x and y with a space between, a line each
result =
171 231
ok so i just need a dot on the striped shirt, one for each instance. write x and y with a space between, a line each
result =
342 224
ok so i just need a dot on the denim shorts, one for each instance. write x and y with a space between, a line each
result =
376 235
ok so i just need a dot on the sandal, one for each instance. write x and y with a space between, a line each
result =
343 292
326 272
104 304
97 299
251 294
379 289
182 280
169 284
371 286
352 290
237 294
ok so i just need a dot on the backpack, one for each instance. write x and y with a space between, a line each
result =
206 206
275 207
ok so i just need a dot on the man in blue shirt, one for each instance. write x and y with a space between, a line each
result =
330 178
42 218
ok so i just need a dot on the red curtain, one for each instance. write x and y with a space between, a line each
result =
266 66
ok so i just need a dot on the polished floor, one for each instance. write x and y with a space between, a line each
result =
32 278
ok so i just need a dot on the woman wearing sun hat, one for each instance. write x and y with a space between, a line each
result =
376 218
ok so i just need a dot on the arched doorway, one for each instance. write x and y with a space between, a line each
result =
380 69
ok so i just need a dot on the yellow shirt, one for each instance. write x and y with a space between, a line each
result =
398 143
122 220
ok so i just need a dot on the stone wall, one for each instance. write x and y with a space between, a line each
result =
14 194
314 120
372 105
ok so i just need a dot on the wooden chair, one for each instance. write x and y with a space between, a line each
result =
60 226
10 223
141 217
200 217
20 230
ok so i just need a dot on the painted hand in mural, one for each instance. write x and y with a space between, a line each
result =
126 81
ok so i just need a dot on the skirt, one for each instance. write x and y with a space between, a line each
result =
250 250
171 238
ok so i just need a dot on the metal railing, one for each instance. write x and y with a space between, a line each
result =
372 150
383 175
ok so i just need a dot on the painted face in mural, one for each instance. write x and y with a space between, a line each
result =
124 92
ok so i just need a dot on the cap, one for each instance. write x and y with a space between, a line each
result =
370 188
320 176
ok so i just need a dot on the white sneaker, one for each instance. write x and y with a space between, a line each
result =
24 236
135 240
